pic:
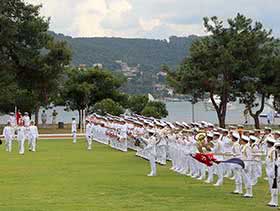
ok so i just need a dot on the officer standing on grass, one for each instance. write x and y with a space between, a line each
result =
26 124
54 115
151 152
88 134
44 119
74 130
8 134
246 156
270 168
33 136
21 136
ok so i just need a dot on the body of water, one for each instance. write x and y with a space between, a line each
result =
182 111
178 111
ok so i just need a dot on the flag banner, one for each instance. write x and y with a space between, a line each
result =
236 161
208 158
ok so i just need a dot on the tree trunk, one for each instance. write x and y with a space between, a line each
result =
256 115
257 122
193 112
79 126
37 115
82 120
222 120
220 110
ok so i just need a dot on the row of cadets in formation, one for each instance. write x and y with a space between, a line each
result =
22 131
116 132
160 141
249 146
246 145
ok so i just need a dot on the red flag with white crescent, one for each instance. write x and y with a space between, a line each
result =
208 158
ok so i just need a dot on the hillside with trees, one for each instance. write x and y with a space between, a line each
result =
148 54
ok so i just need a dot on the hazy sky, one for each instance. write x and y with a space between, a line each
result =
150 18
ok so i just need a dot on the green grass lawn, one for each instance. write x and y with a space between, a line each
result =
64 176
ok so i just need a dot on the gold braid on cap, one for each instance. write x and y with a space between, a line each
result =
200 139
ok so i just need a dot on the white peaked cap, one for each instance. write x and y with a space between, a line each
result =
245 138
217 134
151 131
210 125
151 124
277 132
253 138
211 135
271 140
277 144
236 135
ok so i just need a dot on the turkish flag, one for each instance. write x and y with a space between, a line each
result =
208 159
18 118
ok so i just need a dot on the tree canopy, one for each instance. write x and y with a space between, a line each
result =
31 62
108 106
83 88
137 103
155 109
220 64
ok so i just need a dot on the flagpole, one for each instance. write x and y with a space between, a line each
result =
16 114
84 121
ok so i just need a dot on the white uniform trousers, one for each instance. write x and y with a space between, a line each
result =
32 145
8 144
237 172
89 142
247 178
74 135
152 160
21 146
220 173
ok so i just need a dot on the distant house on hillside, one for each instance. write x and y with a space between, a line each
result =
161 76
98 66
161 73
129 72
82 66
159 87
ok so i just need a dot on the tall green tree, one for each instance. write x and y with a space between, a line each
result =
30 58
263 81
83 88
218 62
8 89
22 31
44 73
276 90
